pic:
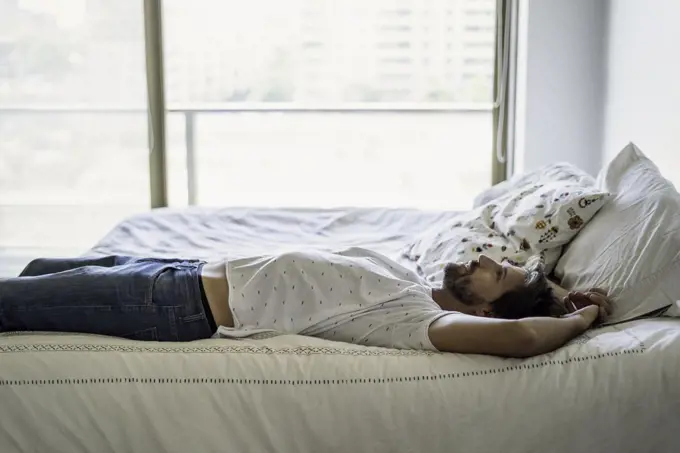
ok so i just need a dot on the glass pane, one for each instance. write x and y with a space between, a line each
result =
176 159
329 50
438 161
73 120
425 65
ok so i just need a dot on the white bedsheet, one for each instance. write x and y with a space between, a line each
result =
612 390
230 233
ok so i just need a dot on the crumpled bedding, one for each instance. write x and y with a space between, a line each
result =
219 233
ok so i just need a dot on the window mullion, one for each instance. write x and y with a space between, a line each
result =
156 102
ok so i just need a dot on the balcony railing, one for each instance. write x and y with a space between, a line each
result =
190 111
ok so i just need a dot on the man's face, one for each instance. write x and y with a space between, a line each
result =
479 282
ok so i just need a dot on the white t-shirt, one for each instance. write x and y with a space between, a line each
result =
356 296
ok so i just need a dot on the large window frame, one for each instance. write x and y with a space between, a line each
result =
502 107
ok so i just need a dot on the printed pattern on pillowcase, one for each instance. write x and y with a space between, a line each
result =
531 223
560 171
545 216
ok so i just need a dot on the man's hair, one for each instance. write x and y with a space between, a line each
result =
534 298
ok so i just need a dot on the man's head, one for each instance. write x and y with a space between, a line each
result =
500 290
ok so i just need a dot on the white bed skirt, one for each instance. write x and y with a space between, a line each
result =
615 389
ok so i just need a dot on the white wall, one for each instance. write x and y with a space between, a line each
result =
560 82
642 102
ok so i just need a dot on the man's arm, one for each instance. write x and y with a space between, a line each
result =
508 338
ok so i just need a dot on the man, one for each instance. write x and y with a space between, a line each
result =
355 295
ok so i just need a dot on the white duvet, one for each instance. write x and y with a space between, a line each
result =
214 233
612 390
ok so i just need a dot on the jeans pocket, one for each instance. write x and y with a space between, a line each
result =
192 318
146 276
150 334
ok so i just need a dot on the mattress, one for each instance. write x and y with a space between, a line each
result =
613 389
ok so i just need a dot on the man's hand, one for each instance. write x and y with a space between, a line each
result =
577 300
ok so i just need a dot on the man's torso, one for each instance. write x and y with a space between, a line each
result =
355 295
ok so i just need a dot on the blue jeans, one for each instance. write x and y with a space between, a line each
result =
135 298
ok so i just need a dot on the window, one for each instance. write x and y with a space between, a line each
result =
371 127
395 60
73 120
393 45
267 103
477 61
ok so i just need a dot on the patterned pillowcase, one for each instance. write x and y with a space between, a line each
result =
547 215
561 171
531 223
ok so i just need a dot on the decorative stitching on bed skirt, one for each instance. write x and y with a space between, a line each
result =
247 349
241 349
293 382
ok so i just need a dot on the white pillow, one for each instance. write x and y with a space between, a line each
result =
632 247
535 221
561 171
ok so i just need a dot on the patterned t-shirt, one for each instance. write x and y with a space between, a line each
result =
356 296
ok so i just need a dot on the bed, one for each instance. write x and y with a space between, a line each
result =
613 389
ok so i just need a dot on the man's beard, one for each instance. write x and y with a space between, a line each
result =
456 283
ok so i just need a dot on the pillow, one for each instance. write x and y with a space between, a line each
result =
632 248
533 222
561 171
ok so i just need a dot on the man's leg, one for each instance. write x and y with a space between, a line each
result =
114 300
43 266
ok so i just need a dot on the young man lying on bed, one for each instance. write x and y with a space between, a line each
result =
356 296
